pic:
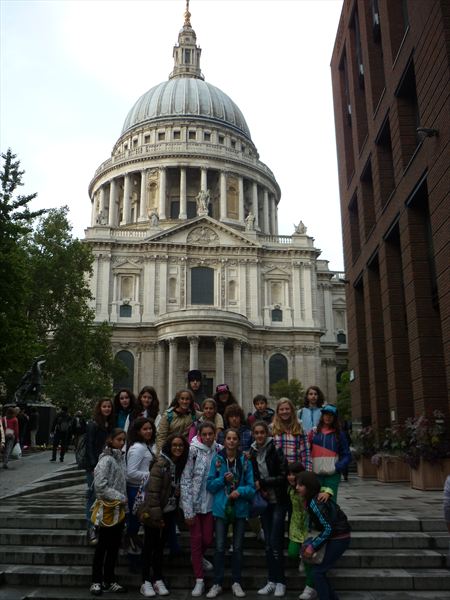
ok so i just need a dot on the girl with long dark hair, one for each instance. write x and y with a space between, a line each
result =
309 415
179 418
124 402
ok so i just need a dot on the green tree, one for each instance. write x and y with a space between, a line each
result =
16 223
291 389
344 404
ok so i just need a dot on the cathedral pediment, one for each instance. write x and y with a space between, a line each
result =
276 272
126 265
202 231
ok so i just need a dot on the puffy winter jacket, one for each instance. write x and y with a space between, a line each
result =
329 454
220 489
160 489
109 476
175 422
195 498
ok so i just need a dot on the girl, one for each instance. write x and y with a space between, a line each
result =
329 449
309 415
110 488
223 398
139 458
147 405
333 527
124 402
11 431
159 510
97 432
196 501
288 434
269 470
210 414
230 480
234 418
179 418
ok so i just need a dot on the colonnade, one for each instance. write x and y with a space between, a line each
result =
261 201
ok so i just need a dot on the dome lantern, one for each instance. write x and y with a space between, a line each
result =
186 53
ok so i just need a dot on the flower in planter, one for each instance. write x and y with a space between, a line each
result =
364 443
428 439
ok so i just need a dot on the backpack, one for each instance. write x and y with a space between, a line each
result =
81 453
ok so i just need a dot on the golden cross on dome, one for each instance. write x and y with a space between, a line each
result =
187 15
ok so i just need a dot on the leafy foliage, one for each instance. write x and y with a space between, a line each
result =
291 389
428 439
364 442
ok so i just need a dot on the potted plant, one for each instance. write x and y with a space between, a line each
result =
363 448
389 460
428 452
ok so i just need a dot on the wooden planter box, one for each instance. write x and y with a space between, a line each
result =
430 476
365 468
393 470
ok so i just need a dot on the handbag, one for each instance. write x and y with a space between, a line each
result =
259 505
318 556
107 513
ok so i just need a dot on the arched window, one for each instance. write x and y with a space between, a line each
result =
277 314
126 379
278 368
202 285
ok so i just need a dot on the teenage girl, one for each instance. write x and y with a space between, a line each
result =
196 501
309 415
288 434
209 413
329 449
147 405
140 456
179 418
124 402
334 530
223 397
269 470
158 511
230 480
97 432
110 487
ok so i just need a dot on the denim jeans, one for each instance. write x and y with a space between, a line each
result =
335 549
221 528
133 523
273 524
90 496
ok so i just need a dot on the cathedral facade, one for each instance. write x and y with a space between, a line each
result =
189 266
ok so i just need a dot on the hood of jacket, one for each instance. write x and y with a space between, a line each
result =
203 447
263 448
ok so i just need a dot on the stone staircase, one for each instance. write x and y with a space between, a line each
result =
43 554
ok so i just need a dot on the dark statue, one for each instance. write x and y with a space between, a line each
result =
29 388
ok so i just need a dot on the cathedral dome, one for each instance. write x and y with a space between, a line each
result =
182 97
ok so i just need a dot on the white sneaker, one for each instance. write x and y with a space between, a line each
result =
160 588
207 566
199 588
237 590
280 590
214 591
268 589
260 535
308 593
147 590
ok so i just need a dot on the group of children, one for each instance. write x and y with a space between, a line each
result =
221 469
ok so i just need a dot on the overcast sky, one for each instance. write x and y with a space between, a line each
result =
71 71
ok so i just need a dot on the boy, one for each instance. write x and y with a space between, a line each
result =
262 411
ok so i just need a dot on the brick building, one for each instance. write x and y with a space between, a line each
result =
391 87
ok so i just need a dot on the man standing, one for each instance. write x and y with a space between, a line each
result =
61 433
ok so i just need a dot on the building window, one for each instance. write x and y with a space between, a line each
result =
147 138
177 135
353 217
174 209
221 139
347 118
232 291
125 310
161 136
408 113
278 369
202 285
192 135
367 199
374 51
386 179
207 136
135 142
187 56
398 20
341 338
277 315
233 143
191 209
125 146
172 289
125 380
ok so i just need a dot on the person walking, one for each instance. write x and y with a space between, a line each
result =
230 480
269 471
61 430
109 513
196 501
11 429
97 432
333 528
158 511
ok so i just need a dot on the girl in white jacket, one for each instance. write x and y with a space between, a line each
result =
196 501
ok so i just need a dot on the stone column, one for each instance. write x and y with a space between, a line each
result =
143 198
266 212
193 352
148 313
223 195
237 371
255 204
247 392
162 193
161 374
183 205
112 214
241 199
273 216
307 287
101 207
93 202
203 179
220 360
126 215
103 282
173 351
